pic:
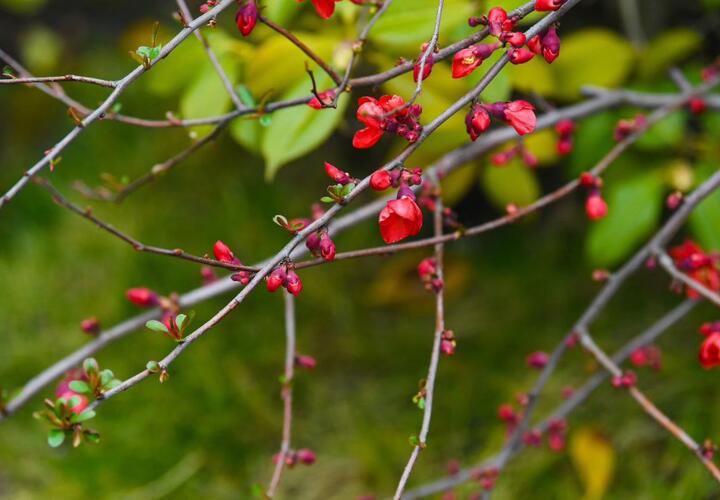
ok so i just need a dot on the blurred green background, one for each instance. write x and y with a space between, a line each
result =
212 428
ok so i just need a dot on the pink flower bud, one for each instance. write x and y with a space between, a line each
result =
674 200
327 247
90 325
306 456
477 121
520 56
326 99
496 17
697 105
143 297
246 17
551 45
208 275
313 243
336 174
447 347
548 5
427 69
242 277
506 413
81 404
304 361
293 283
565 127
535 44
595 206
427 268
537 360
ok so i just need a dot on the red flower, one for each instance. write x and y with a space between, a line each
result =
477 121
143 297
427 268
496 18
710 351
326 98
324 8
399 219
595 206
516 39
521 116
380 180
466 60
223 253
384 114
698 265
547 5
565 127
246 18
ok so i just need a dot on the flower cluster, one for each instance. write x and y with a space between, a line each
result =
546 43
648 355
284 276
223 253
387 114
626 379
626 127
303 456
565 130
595 206
321 245
427 270
401 217
520 115
698 265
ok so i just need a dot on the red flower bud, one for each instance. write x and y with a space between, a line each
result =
548 5
447 347
565 127
595 206
427 267
313 243
324 8
208 275
306 456
477 121
521 116
242 277
639 357
507 413
399 219
520 56
246 17
427 69
90 325
697 105
588 180
674 200
222 252
143 297
276 279
326 98
380 180
551 45
516 39
565 145
710 351
327 247
336 174
293 283
535 44
533 438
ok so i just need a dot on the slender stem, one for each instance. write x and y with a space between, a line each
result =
286 392
667 263
188 18
678 432
63 78
434 357
300 45
568 406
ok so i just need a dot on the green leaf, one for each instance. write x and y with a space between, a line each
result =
421 403
297 131
91 435
534 76
591 57
634 210
74 401
513 183
180 320
80 387
90 365
156 326
593 138
112 384
668 49
106 376
82 417
414 441
408 23
327 199
56 437
666 134
705 219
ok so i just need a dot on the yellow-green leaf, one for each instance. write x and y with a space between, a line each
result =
667 49
535 76
591 57
298 130
594 459
512 183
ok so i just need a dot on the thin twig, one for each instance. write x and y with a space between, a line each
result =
434 357
678 432
667 263
63 78
286 392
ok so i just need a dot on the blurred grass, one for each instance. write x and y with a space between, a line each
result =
213 427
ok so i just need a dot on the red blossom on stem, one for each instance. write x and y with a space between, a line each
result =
466 60
595 206
402 121
477 121
698 265
142 297
709 354
548 5
90 325
246 17
380 180
400 219
325 99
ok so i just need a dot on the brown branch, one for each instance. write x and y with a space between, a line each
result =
286 392
136 244
63 78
